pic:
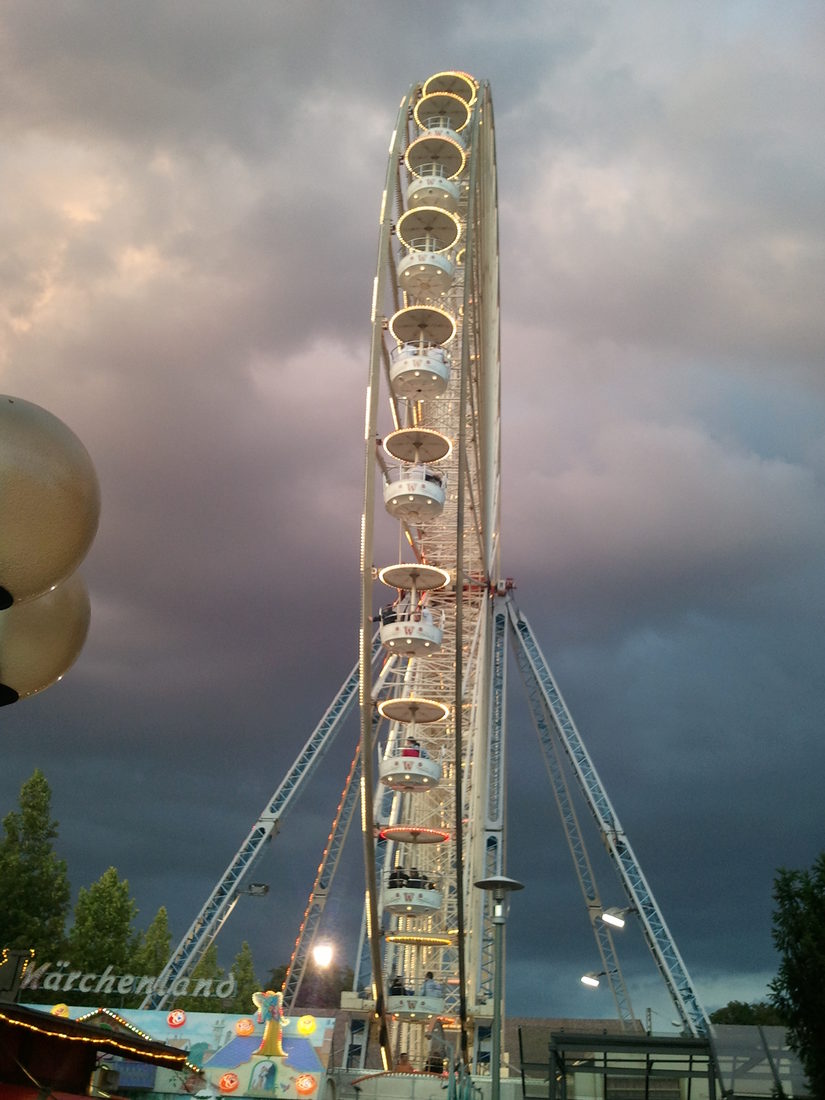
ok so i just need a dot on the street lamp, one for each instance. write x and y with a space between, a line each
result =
48 519
499 886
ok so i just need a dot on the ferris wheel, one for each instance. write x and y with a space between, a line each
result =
433 813
429 774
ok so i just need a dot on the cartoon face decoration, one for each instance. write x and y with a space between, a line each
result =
244 1027
60 1010
305 1084
229 1082
306 1025
176 1018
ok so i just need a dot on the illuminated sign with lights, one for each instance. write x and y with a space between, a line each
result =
214 1054
60 979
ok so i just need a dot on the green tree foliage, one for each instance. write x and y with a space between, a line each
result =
742 1012
798 990
277 977
153 947
245 982
207 969
34 889
102 933
322 986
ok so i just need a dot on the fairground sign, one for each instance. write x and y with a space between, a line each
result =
60 979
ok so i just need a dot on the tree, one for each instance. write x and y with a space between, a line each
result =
152 951
34 888
325 985
102 934
742 1012
206 970
277 977
320 987
798 990
245 982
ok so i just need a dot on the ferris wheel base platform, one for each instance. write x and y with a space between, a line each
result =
410 1086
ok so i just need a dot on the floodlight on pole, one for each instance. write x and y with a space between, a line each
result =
322 955
616 916
499 886
592 978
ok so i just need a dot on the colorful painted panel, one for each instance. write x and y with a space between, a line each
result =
231 1055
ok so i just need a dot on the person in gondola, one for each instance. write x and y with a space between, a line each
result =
398 878
438 1052
397 986
430 987
404 1065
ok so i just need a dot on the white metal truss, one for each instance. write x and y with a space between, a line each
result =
546 732
659 940
223 899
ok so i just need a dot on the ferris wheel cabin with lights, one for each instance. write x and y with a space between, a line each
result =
432 801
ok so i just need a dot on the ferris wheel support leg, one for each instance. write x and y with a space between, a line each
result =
545 729
659 940
224 897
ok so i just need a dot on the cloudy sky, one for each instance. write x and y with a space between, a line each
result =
187 245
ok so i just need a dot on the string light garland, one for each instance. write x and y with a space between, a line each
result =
173 1059
4 959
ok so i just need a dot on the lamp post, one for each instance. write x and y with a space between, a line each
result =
49 509
499 886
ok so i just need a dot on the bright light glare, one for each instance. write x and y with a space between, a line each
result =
614 917
322 954
590 979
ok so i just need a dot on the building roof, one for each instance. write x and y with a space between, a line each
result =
124 1043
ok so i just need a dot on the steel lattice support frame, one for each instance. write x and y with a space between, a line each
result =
220 903
546 732
659 940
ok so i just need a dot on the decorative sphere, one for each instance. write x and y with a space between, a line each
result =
40 639
49 501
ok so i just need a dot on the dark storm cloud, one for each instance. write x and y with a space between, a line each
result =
188 245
